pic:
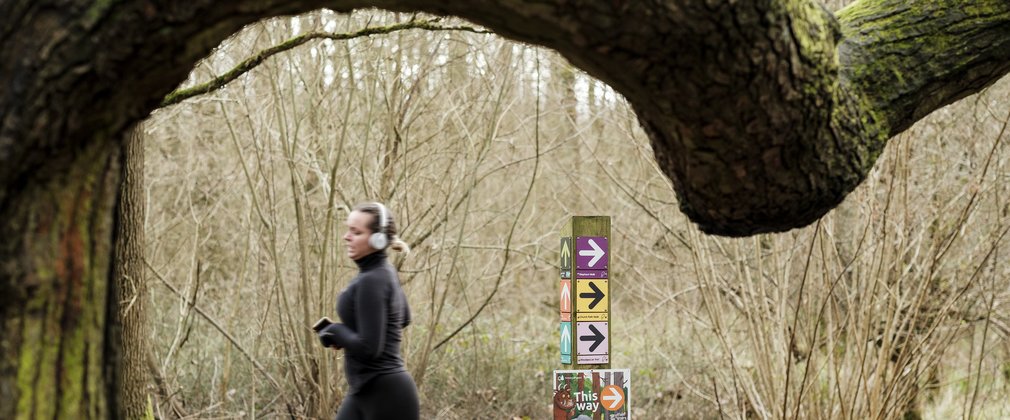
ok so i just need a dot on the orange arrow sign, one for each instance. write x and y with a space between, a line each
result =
566 296
613 397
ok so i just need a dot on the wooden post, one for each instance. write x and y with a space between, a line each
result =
585 293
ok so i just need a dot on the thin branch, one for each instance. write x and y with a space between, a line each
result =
250 63
217 326
515 222
792 332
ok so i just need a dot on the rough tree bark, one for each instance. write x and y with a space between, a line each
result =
763 113
128 286
55 356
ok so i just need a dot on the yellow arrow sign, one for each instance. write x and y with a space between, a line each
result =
592 296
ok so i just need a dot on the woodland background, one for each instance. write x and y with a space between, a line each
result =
897 304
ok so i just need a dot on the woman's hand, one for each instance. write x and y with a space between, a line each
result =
328 338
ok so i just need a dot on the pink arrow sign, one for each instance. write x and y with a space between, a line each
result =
592 338
566 295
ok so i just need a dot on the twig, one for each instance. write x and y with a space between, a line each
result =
715 388
792 333
981 352
217 326
162 385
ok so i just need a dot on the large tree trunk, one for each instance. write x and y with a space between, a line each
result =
763 113
55 353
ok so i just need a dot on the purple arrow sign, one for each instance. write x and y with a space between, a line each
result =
591 253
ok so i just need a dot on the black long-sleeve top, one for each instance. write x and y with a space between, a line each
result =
373 310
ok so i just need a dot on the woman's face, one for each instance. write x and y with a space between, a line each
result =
357 235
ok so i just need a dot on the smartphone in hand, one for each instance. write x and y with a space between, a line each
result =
321 323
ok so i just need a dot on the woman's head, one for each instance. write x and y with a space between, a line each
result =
362 222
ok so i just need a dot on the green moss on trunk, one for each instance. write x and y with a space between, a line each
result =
909 58
61 369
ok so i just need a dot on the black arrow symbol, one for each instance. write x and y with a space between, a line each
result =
597 295
597 337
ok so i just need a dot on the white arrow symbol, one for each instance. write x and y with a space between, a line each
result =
566 298
566 339
614 398
596 253
566 255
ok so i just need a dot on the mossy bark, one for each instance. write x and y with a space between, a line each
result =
54 346
763 113
909 58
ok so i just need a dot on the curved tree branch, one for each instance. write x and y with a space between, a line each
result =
764 114
250 63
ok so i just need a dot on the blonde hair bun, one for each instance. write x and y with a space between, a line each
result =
399 246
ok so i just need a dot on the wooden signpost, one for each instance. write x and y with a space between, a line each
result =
588 387
585 292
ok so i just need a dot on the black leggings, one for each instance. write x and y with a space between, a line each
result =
392 396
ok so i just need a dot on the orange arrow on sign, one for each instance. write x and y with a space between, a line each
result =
613 397
566 296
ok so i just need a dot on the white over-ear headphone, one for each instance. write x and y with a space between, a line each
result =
379 240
